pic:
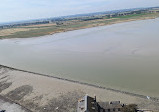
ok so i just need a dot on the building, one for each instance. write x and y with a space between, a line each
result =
89 104
114 106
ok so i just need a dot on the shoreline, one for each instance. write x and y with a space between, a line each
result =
90 25
38 86
84 83
41 93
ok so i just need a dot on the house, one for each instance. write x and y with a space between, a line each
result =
89 104
114 106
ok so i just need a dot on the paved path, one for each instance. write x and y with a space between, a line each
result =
9 106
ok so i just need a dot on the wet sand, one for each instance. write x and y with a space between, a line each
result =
122 56
43 94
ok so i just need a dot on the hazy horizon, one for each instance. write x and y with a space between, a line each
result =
19 10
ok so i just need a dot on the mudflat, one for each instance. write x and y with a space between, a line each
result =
44 94
122 56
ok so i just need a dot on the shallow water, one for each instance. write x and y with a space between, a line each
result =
123 56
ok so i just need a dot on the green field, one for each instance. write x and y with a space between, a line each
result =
38 30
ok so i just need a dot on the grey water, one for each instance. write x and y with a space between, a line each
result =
122 56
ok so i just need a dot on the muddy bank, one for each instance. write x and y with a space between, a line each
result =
44 94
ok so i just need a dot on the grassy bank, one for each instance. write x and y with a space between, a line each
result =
48 29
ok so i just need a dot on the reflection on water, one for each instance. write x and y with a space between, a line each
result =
123 56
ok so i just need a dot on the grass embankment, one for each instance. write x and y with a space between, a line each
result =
47 29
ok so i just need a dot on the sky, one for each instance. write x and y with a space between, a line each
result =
17 10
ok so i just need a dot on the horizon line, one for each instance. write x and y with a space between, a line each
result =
38 19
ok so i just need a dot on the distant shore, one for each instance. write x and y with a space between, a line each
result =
36 91
50 29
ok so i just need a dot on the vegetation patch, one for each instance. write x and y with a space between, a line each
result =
74 24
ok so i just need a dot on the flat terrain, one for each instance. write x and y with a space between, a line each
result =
122 56
39 93
49 29
10 106
44 94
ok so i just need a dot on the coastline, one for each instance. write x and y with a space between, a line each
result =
65 28
15 80
40 88
84 83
